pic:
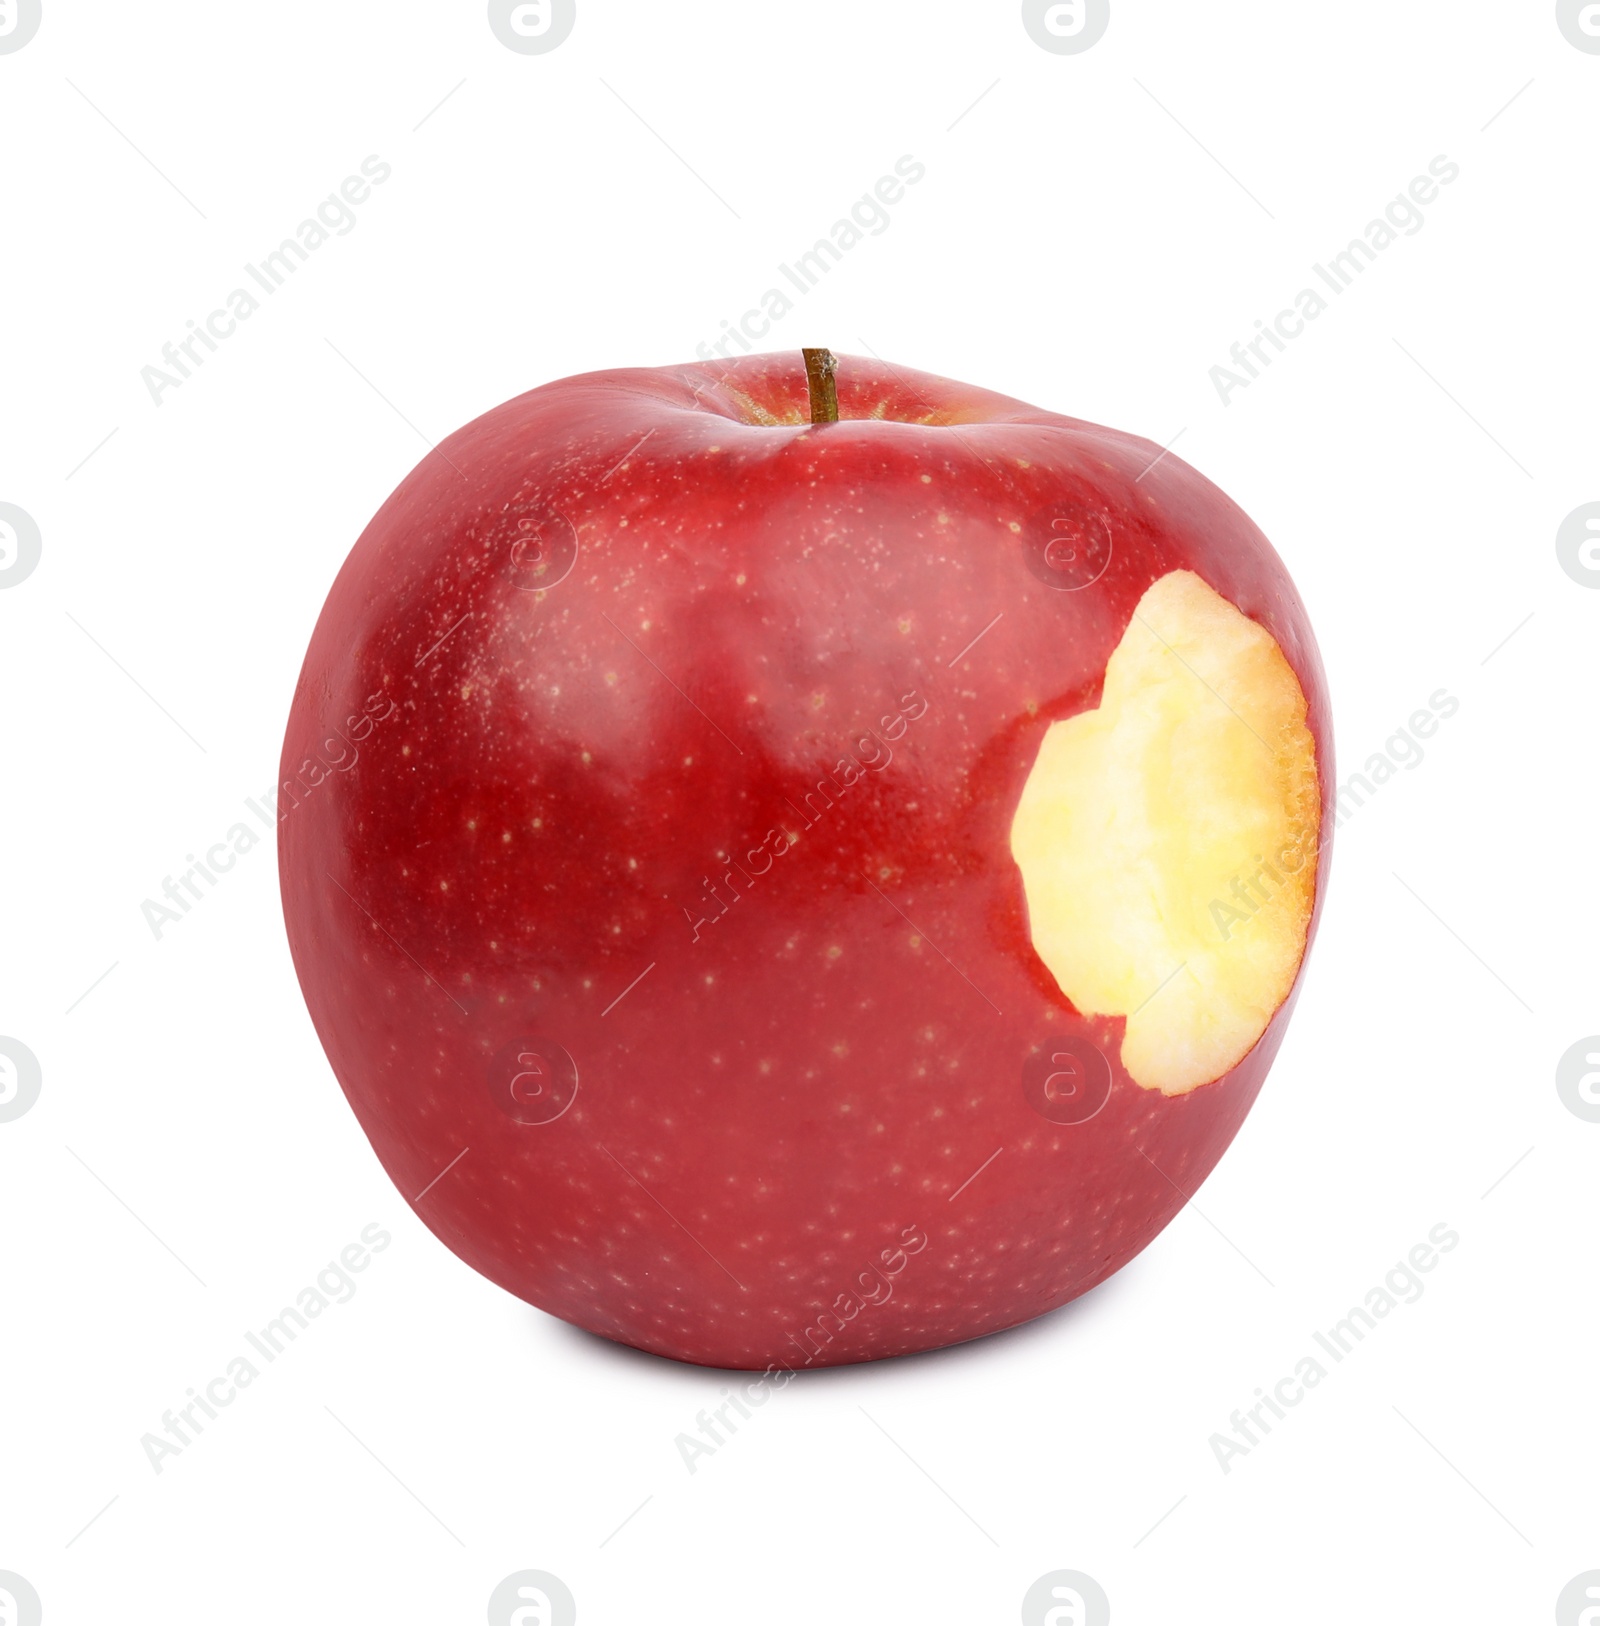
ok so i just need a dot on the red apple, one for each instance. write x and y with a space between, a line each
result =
783 893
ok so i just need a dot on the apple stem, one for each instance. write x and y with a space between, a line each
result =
820 368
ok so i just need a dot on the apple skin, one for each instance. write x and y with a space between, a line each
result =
504 792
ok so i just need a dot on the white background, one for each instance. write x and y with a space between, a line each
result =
1073 244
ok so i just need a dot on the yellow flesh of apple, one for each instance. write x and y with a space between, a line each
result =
1168 841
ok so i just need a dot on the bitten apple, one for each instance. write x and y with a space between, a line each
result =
795 889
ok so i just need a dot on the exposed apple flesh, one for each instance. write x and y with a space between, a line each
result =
1163 838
